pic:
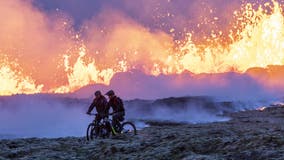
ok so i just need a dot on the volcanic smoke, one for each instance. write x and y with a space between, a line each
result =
43 53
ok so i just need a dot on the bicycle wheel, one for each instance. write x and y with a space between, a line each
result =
128 128
91 126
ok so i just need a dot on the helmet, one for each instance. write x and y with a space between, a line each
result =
98 93
110 93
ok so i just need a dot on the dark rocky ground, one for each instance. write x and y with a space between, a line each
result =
249 135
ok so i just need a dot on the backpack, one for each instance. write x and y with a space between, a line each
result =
119 104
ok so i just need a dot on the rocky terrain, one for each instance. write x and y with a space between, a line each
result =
248 135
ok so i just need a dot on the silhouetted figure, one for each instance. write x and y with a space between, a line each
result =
100 102
117 107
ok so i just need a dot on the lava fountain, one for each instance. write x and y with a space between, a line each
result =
62 60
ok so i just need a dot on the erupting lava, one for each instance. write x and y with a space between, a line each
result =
255 40
259 44
81 74
13 81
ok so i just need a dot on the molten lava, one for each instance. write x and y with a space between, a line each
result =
13 81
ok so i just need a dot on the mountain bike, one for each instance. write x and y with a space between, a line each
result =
104 128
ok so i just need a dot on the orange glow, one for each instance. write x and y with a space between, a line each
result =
260 43
255 40
14 82
82 74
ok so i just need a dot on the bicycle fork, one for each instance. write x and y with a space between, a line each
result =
113 130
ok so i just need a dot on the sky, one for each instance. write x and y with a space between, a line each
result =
153 14
181 15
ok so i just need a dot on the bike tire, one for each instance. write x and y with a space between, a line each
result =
129 128
90 127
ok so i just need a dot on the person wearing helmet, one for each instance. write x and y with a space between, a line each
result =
117 107
100 102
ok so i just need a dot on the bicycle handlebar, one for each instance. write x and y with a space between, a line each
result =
92 114
103 115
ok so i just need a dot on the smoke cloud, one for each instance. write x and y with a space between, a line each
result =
24 116
41 116
34 40
136 84
119 38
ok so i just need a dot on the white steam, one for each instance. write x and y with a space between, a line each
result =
36 116
189 114
51 116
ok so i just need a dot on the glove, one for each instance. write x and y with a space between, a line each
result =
88 113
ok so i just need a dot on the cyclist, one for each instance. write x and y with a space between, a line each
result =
100 102
117 107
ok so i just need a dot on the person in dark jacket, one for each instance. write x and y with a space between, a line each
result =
100 102
117 106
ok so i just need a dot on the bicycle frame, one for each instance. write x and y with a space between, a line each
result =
107 121
105 127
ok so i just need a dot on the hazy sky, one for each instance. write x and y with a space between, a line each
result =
182 15
155 14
